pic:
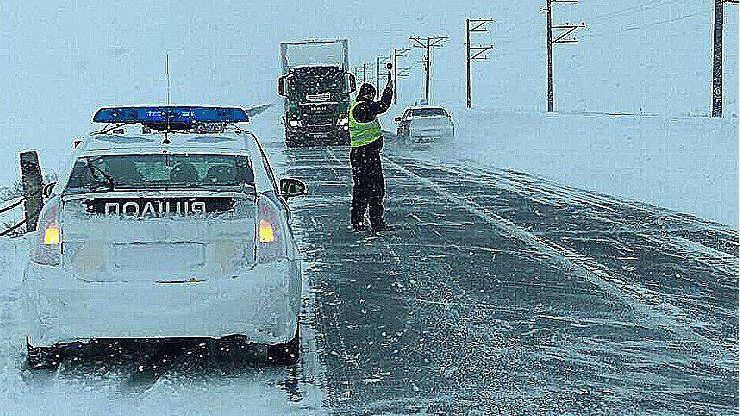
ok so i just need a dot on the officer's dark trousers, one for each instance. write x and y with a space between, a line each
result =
368 185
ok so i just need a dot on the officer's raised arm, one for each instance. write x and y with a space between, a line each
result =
387 98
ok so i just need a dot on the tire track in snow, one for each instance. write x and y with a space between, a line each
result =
611 212
329 396
665 316
545 192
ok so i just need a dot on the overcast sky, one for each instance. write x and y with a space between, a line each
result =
62 60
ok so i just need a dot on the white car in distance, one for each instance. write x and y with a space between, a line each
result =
425 125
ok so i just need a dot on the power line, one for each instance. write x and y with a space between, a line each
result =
634 9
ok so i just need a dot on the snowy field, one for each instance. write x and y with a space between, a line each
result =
684 164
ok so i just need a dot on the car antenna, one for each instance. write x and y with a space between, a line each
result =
167 112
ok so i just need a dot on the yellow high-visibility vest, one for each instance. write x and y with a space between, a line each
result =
363 134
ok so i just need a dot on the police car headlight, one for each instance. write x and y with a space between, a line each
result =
343 121
295 123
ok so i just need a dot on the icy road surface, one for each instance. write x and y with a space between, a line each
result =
498 293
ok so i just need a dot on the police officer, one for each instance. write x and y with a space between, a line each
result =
367 142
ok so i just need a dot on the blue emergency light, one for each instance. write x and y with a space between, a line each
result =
170 114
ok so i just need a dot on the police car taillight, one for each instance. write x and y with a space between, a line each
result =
270 237
47 249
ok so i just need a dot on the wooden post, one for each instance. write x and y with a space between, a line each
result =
33 184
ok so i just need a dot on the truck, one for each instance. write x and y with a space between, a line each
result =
316 85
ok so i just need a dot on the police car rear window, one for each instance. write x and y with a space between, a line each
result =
160 171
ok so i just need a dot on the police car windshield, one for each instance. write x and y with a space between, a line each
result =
160 171
429 112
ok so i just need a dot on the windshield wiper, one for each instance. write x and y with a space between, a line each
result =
93 169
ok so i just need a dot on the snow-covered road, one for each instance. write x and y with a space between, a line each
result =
499 292
503 292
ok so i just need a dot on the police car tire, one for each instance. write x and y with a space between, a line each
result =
291 140
285 354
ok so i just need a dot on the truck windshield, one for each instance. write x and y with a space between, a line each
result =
317 80
429 112
159 171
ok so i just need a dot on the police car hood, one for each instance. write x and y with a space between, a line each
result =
157 235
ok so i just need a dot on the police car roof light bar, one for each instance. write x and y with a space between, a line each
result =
187 115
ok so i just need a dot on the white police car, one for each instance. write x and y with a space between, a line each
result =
425 124
169 223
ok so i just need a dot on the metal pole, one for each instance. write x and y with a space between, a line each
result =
467 61
395 75
429 70
549 57
717 59
364 73
167 73
377 74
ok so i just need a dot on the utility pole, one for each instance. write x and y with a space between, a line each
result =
719 14
377 74
474 53
427 43
396 54
364 73
562 37
167 74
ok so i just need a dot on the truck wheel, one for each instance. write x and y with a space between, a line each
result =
343 138
290 140
42 357
285 354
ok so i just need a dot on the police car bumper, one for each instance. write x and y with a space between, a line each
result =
261 304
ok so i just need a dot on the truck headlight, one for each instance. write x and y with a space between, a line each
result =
295 123
343 121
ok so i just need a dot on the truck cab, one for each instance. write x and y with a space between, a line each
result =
316 88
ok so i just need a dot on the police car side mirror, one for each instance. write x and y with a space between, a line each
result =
398 119
290 188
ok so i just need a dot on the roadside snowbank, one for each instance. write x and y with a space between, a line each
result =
684 164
